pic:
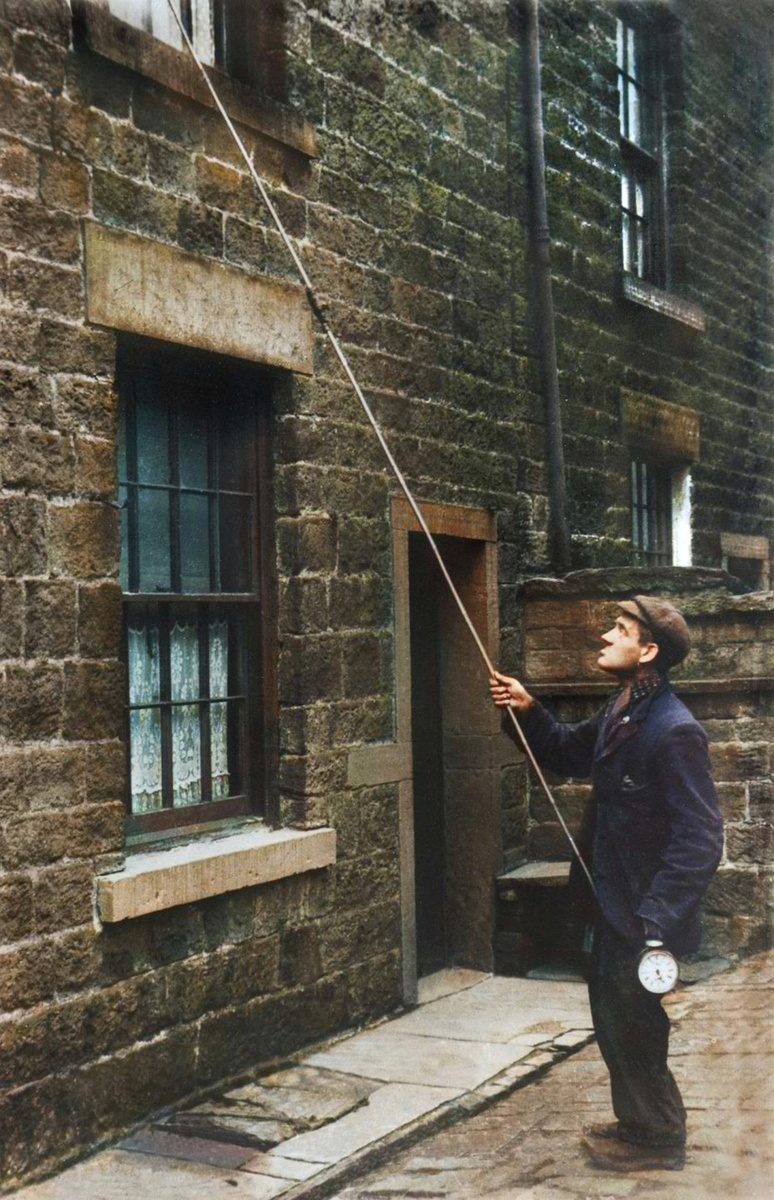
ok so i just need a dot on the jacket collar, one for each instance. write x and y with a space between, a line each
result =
633 717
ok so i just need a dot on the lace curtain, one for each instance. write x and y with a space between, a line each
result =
145 723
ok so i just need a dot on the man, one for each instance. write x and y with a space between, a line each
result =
654 837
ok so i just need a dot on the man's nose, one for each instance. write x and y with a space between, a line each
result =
606 638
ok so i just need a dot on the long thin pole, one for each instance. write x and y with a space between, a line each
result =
317 308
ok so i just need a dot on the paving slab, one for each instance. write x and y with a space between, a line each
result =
398 1057
388 1109
123 1174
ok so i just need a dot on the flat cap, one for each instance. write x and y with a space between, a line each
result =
666 624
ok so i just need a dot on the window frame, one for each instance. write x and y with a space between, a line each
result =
259 643
643 166
643 468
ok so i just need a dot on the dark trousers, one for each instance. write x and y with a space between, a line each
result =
633 1036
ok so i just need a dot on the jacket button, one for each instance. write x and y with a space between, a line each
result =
625 720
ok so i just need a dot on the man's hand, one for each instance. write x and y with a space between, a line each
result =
507 692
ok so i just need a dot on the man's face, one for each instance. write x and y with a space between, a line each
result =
622 651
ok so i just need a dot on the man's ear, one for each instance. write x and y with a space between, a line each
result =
648 652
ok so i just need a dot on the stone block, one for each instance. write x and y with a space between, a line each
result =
25 397
105 772
26 110
551 614
76 348
99 620
733 800
64 184
736 761
366 664
38 285
309 669
48 777
19 166
22 536
26 975
41 838
200 229
84 540
16 911
31 703
11 619
750 843
306 544
761 792
40 60
50 625
95 468
32 229
93 701
551 665
300 960
62 898
36 459
118 200
86 406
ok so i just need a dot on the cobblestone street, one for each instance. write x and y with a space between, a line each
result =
526 1146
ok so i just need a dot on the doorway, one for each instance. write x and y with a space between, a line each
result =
456 845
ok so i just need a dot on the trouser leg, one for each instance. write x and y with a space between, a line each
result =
633 1035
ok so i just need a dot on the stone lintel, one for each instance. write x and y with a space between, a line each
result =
669 431
744 545
453 520
666 303
157 879
147 287
368 766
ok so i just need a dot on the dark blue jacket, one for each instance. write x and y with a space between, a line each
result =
654 830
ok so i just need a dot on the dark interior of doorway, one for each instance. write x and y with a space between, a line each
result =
427 747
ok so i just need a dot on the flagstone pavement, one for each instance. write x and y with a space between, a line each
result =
467 1096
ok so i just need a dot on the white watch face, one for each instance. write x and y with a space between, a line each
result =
657 970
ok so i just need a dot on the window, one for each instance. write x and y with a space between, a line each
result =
203 21
246 38
651 513
195 557
640 92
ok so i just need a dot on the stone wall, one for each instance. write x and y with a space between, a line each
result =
727 682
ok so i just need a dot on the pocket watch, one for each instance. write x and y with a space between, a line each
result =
657 969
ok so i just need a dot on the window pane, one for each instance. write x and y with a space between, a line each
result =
619 37
144 723
236 436
186 732
193 440
219 657
184 656
631 52
153 537
219 765
194 543
145 759
123 501
152 422
635 114
235 555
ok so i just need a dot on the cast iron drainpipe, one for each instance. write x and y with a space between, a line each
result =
558 537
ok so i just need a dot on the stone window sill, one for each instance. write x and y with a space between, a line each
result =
111 38
153 880
647 295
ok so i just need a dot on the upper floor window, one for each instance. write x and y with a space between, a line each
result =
651 513
643 184
203 20
193 462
